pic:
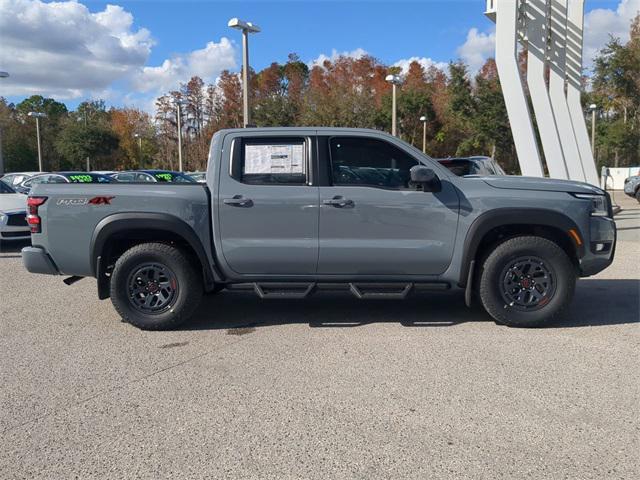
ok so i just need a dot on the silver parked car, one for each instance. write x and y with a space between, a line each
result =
632 187
16 178
13 211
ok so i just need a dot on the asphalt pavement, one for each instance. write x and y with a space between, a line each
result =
324 388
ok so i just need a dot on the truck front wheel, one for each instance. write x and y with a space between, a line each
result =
527 281
155 286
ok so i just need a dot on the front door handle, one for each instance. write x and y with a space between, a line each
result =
339 202
238 201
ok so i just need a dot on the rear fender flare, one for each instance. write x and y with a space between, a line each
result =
119 223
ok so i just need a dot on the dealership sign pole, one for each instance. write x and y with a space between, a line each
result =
552 32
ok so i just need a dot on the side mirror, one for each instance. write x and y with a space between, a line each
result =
426 177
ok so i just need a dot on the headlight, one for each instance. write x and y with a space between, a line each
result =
3 218
599 205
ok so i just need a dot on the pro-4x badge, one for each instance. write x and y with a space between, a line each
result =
79 202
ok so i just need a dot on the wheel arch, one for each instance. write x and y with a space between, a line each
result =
503 223
123 230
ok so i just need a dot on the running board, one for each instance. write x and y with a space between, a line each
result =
362 291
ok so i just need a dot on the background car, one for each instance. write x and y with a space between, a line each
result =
13 215
132 177
152 176
632 187
16 178
200 177
477 165
62 177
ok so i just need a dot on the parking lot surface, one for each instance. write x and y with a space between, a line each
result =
329 387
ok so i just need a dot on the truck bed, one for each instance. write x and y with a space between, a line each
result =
71 215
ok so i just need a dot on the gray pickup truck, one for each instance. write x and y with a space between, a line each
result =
287 212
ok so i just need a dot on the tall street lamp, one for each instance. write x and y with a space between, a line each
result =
2 75
179 122
38 116
139 137
247 28
593 107
394 80
423 119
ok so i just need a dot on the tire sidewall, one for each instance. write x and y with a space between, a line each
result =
182 305
491 281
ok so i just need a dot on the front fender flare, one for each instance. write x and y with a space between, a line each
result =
509 217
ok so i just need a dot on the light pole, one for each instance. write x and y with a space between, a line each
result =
394 80
247 28
85 131
593 128
139 137
2 75
423 119
38 116
179 112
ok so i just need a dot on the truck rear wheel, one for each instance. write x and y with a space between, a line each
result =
527 282
155 286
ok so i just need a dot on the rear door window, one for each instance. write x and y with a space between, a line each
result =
272 161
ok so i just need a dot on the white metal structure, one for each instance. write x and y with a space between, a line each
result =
552 32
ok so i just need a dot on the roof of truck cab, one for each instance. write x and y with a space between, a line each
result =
304 129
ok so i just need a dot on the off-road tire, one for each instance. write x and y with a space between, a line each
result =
638 195
187 279
491 281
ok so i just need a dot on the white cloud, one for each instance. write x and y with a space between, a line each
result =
600 23
477 48
357 53
206 63
63 49
424 61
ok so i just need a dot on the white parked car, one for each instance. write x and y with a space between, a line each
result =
16 178
13 213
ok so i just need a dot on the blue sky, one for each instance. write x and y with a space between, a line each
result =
160 43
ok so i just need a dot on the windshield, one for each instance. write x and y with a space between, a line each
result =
173 177
5 188
460 167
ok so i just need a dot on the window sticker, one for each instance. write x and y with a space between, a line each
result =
166 177
274 159
80 178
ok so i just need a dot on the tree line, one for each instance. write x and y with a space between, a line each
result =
465 115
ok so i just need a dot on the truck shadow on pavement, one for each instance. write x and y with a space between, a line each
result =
12 249
596 303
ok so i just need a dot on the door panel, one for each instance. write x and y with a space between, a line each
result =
267 227
387 232
387 227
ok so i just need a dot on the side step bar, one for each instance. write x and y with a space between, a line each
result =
362 291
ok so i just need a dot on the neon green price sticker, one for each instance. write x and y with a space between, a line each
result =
166 177
80 178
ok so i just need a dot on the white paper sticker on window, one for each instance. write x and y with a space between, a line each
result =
274 159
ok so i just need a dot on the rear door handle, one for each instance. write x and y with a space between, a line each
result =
238 201
339 202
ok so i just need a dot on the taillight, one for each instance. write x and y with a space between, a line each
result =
32 213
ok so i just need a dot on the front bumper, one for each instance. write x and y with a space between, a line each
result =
601 247
14 233
36 260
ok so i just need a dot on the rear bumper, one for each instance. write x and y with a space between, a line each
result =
36 260
601 248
